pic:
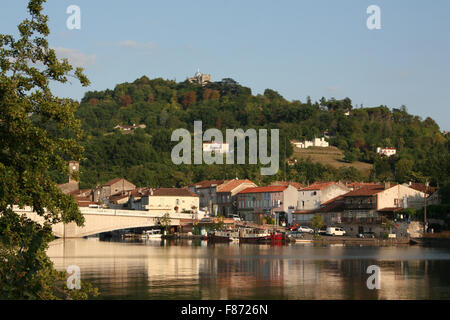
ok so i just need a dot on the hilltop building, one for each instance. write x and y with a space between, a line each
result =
202 79
386 151
316 142
216 147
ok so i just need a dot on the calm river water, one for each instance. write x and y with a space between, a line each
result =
196 270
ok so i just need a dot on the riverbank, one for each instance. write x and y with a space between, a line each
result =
321 240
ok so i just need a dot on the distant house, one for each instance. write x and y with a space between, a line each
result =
386 151
316 142
127 128
202 79
215 147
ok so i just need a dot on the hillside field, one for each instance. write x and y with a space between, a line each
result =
330 156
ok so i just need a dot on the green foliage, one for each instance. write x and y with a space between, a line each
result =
436 211
269 220
317 222
165 222
164 105
39 132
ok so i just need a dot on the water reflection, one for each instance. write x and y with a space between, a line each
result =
196 270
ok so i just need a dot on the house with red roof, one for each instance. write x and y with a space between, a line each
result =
273 201
166 200
366 209
207 191
226 195
112 187
312 196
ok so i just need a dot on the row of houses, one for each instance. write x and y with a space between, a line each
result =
357 206
120 193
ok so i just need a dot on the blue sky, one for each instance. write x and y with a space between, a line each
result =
299 48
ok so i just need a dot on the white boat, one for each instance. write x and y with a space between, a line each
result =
303 241
152 234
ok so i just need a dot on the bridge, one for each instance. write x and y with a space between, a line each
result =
105 220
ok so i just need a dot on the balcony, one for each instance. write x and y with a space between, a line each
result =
361 206
368 220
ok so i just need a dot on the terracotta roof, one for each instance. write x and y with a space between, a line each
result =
173 192
287 183
318 186
112 181
207 183
264 189
231 185
365 191
85 203
421 187
341 197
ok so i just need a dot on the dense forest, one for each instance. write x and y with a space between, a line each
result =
143 155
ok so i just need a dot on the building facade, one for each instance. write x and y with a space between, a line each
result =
112 187
311 197
388 152
316 142
273 201
207 191
202 79
166 200
226 196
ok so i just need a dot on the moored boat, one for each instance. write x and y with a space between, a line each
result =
154 234
247 235
222 236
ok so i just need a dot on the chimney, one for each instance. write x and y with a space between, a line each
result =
387 185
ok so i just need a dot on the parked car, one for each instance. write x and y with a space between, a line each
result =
305 229
366 235
293 228
295 234
236 218
335 231
322 231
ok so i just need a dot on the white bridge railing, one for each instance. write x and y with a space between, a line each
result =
129 213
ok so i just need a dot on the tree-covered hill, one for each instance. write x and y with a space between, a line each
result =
162 106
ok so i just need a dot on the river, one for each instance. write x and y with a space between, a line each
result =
196 270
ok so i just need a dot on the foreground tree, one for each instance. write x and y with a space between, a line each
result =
38 133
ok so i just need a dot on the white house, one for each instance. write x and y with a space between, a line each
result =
215 147
316 142
386 151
